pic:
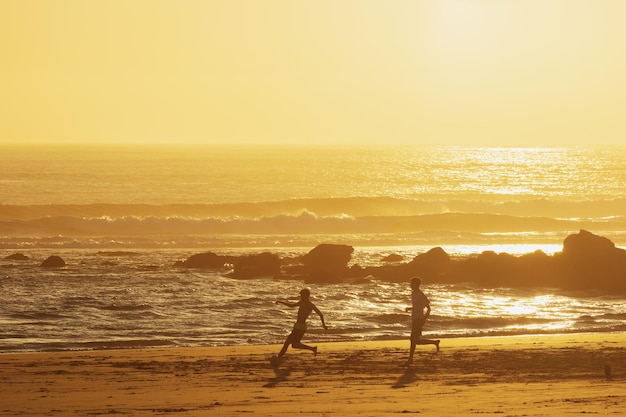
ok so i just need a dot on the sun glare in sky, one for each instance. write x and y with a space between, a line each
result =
485 72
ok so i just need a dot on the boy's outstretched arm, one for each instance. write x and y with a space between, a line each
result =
287 303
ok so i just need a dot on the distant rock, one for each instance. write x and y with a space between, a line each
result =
256 266
587 262
117 253
328 257
326 263
534 269
17 257
591 261
53 261
393 258
587 245
327 277
322 277
430 264
207 260
489 269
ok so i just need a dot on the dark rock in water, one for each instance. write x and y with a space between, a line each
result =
53 261
328 277
17 257
321 277
328 257
587 262
325 263
394 257
532 269
591 261
204 260
586 245
254 266
490 269
430 264
117 253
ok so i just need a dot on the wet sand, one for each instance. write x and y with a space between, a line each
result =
510 376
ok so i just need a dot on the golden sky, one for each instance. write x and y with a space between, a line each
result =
489 72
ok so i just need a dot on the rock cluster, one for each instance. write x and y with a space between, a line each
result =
587 261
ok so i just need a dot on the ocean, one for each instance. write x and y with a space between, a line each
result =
122 216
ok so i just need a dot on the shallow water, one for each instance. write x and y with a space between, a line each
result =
121 217
100 300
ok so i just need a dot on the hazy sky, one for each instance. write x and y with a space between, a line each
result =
499 72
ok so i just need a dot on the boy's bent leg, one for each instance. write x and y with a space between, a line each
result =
297 344
301 345
288 341
296 341
429 342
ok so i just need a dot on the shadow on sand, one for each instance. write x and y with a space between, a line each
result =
407 378
281 375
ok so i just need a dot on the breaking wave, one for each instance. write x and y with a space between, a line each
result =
354 220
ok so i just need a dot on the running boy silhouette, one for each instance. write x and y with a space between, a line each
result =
420 312
294 339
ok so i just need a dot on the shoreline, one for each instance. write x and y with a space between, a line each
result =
513 375
464 339
105 346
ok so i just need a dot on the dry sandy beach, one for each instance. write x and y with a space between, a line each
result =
559 375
